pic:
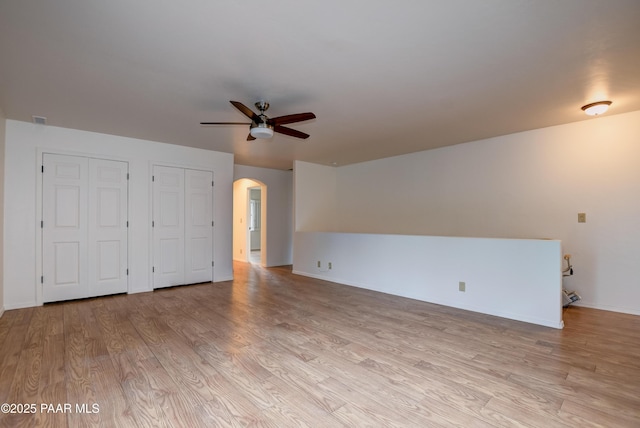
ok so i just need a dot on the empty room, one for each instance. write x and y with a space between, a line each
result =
320 214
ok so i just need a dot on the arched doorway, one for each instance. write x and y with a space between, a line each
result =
249 221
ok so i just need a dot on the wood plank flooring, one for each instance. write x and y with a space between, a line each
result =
273 349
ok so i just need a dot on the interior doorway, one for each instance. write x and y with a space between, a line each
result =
255 225
249 221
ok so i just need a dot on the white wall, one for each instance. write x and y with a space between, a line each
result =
518 279
2 150
24 141
315 195
526 185
279 206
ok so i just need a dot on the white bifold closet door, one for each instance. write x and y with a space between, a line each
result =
84 227
182 226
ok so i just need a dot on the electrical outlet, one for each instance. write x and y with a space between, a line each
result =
462 286
582 217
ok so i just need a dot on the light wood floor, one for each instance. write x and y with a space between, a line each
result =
279 350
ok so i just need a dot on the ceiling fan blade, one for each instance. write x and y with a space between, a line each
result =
250 137
224 123
246 111
291 132
291 118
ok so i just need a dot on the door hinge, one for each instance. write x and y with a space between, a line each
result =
41 224
127 271
127 223
153 269
127 175
153 178
42 169
212 263
212 224
153 223
212 184
42 280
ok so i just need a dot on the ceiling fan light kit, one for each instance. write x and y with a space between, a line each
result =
262 130
262 126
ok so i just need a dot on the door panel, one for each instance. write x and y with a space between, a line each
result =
168 230
198 226
108 226
64 231
67 205
109 266
109 206
171 205
170 254
67 264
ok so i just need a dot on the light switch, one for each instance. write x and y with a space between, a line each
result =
582 217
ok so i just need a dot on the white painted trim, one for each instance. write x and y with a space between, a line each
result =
21 305
39 257
608 308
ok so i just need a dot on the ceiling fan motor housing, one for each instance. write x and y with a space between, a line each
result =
262 106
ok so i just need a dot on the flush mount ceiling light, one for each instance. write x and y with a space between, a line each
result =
596 108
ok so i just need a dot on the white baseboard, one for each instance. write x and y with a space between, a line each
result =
21 306
607 308
138 291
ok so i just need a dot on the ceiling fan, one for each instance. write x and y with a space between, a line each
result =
262 126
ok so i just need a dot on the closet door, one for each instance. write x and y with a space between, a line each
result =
168 226
107 226
64 227
182 226
84 227
198 226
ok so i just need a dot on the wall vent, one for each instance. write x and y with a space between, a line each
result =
39 120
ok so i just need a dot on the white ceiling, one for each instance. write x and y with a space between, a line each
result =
384 78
